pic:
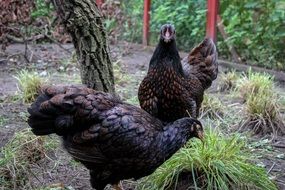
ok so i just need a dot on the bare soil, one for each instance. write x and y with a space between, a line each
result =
53 62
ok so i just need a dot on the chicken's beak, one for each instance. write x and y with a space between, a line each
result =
201 135
167 36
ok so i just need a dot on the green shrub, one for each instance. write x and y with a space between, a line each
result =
256 30
189 19
222 163
42 9
132 27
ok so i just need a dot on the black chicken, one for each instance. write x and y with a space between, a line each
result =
114 140
172 88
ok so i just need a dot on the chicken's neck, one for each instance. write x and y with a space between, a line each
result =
166 56
173 138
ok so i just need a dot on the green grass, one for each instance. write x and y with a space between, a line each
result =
222 163
3 120
29 83
252 82
23 150
263 114
228 81
211 107
262 104
121 77
125 84
133 100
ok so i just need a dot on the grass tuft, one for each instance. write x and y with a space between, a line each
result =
252 82
222 163
263 114
3 120
23 149
211 107
228 81
262 105
29 84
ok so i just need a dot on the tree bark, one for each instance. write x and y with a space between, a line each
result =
83 21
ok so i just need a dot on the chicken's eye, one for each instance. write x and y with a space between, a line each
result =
198 127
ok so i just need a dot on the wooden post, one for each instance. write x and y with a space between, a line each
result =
99 3
212 13
146 17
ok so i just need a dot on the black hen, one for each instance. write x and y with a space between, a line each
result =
114 140
172 88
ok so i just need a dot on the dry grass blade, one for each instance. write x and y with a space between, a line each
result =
212 107
23 150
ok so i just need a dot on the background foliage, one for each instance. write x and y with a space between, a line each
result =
255 28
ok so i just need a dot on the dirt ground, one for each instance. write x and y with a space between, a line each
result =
53 63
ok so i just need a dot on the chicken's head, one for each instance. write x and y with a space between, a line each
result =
167 33
197 130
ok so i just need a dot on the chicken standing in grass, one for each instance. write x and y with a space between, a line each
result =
172 87
114 140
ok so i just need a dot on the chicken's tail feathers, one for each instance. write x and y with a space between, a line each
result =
68 109
40 123
46 118
202 62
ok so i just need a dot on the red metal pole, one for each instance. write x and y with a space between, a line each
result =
212 19
99 2
146 17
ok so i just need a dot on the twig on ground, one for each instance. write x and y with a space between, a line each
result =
36 37
273 165
5 60
57 43
20 40
219 117
278 146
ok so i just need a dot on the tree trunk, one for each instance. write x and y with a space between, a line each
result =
83 20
